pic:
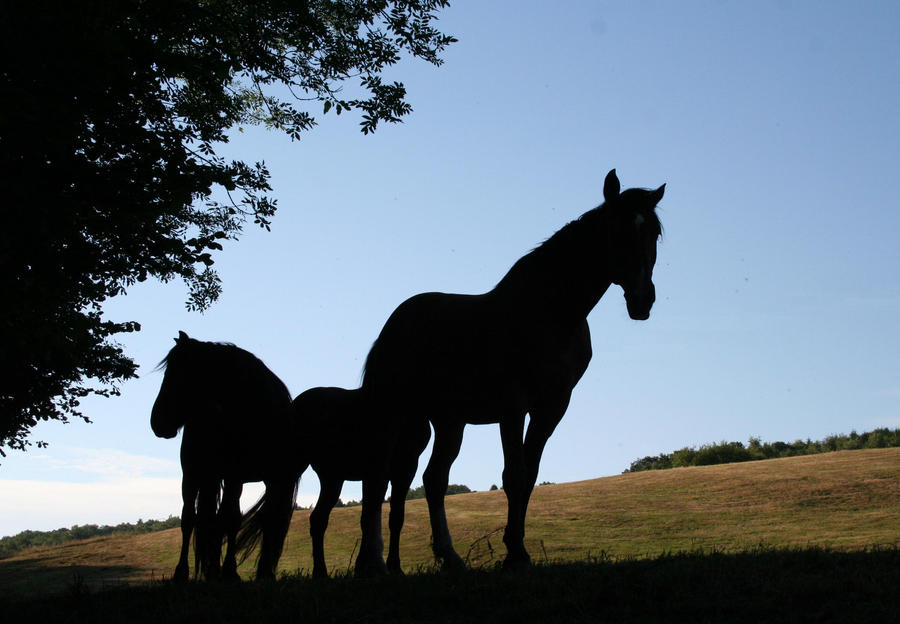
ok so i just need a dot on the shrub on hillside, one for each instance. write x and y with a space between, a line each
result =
730 452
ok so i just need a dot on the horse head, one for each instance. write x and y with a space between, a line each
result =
170 411
634 232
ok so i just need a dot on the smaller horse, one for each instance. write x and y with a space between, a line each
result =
340 440
236 417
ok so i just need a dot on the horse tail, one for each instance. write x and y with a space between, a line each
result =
256 520
251 529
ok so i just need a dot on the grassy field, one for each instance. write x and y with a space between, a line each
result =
799 510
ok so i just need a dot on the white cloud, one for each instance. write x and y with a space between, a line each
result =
108 486
113 463
49 505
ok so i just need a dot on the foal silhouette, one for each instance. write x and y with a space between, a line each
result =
237 421
338 437
493 358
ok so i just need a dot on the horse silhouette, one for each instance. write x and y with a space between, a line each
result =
338 437
495 357
236 420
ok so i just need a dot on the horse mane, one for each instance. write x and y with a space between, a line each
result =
564 250
554 251
227 355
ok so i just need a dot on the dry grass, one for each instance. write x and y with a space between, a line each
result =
848 500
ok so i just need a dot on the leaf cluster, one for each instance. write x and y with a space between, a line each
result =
111 115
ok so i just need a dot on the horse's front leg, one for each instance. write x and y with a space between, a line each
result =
370 561
329 492
188 519
541 426
447 440
403 470
515 487
230 514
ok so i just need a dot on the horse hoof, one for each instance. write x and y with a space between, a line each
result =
265 576
231 577
516 563
368 569
395 570
451 562
319 573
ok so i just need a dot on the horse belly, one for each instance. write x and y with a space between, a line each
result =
461 357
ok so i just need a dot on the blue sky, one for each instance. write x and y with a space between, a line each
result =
775 126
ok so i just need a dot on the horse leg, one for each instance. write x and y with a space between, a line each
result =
209 537
329 491
514 485
541 425
280 498
188 520
447 440
370 561
403 470
230 515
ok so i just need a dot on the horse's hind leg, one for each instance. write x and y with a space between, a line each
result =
188 520
280 498
447 440
403 470
329 491
230 519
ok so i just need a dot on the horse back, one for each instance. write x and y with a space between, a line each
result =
474 355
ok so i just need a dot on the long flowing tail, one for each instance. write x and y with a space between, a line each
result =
251 530
258 519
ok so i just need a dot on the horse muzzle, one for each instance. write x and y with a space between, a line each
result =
639 304
161 432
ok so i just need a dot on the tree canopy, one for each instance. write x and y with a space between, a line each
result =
111 116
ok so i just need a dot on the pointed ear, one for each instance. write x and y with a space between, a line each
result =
611 186
181 337
657 195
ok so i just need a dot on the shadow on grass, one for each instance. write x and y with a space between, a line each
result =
38 578
806 585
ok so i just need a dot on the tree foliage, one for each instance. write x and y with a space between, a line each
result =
731 452
453 488
112 114
26 539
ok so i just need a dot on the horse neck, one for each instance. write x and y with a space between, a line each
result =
562 279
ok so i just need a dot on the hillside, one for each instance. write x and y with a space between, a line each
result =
847 500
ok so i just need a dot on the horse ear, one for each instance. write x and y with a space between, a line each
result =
657 195
611 186
181 337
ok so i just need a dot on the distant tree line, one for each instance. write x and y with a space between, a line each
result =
453 488
413 493
26 539
730 452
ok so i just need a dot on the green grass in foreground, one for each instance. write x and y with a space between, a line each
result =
845 501
788 585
